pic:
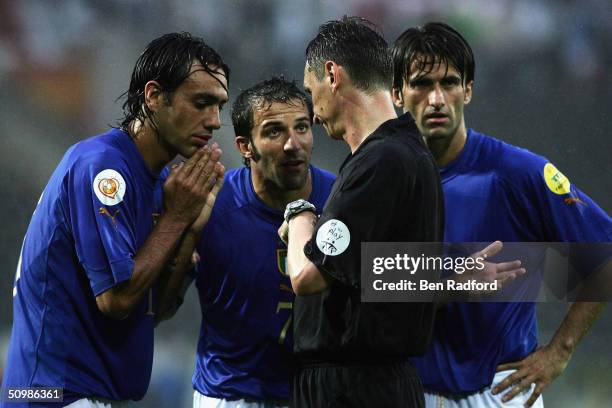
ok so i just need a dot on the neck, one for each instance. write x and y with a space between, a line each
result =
155 154
445 150
275 196
363 114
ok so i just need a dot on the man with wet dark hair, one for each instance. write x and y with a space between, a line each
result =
352 353
244 353
263 95
493 191
94 269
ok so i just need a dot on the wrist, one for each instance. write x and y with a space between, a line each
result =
308 217
564 347
294 208
172 223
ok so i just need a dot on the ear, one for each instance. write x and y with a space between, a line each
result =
243 145
468 92
153 95
396 95
334 75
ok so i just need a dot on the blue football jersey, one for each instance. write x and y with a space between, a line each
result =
94 214
496 191
245 345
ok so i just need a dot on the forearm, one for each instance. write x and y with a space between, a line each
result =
300 231
173 278
149 262
306 279
577 322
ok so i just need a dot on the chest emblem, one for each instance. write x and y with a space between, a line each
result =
281 261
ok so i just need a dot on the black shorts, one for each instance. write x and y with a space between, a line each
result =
382 386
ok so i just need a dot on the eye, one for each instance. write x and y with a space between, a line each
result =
418 83
302 127
450 81
273 132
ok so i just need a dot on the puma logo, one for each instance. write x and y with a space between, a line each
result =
104 211
572 200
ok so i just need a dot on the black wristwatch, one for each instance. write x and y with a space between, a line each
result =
296 207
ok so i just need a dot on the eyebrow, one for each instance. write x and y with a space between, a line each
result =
210 97
272 123
276 122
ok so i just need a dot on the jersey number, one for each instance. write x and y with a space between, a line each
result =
283 333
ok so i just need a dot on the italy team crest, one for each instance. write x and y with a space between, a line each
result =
281 261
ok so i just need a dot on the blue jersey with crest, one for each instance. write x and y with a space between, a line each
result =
94 214
245 345
496 191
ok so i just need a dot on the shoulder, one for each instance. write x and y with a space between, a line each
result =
233 194
326 177
99 152
512 163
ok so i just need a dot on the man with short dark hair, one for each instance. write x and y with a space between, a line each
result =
96 257
244 352
493 191
352 353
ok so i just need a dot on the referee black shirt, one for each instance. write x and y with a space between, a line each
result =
388 190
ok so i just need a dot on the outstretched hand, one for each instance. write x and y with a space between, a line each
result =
503 272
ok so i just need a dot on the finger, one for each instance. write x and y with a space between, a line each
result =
508 366
282 232
524 383
508 266
534 395
174 171
202 169
507 382
215 152
489 251
505 277
191 163
218 182
195 257
207 172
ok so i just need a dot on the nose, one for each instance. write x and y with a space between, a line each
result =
292 143
212 120
316 120
436 97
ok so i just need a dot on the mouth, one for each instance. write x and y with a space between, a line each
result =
293 164
436 119
201 139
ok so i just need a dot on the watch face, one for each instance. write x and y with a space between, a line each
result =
297 204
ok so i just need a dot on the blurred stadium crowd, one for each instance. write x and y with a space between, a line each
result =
542 80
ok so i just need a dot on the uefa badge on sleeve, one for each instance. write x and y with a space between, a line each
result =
333 237
109 187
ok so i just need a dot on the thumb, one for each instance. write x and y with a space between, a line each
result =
174 171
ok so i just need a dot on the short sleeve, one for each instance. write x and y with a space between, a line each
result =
362 210
100 195
563 212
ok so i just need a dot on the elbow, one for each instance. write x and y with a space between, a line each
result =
113 306
300 286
